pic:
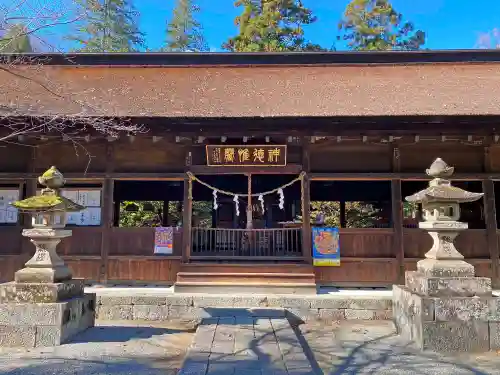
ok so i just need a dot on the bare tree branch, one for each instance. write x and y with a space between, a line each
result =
29 78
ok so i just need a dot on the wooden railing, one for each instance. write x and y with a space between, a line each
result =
268 243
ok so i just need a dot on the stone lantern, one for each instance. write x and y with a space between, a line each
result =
44 306
441 211
443 306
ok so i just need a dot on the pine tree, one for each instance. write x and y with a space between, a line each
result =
16 40
110 26
271 26
376 25
184 32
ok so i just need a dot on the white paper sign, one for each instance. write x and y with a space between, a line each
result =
83 218
94 198
11 215
82 198
8 214
70 194
94 215
72 218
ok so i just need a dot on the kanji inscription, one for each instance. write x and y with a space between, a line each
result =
246 156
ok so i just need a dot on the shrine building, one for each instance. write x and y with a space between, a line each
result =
241 158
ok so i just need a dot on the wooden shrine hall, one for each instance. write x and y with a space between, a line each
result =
243 154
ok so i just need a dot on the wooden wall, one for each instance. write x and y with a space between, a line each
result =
368 256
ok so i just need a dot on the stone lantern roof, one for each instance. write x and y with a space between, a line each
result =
440 189
50 199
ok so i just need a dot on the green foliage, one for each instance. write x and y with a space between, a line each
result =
330 211
271 26
184 32
149 214
140 216
16 40
374 25
361 215
109 26
357 214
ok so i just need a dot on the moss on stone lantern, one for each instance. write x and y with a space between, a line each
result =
50 208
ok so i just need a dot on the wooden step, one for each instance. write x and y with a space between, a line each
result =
246 277
289 268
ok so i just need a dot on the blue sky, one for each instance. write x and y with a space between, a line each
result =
449 24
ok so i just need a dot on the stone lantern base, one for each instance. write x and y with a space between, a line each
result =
44 306
453 313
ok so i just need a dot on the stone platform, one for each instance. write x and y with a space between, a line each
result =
157 304
244 345
448 314
44 314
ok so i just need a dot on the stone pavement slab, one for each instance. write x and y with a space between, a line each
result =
110 348
372 347
246 346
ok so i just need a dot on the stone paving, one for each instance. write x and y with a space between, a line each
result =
246 346
261 346
110 348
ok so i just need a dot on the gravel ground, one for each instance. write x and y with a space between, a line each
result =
110 348
371 347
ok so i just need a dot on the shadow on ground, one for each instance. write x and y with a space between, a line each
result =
118 349
361 350
120 334
112 366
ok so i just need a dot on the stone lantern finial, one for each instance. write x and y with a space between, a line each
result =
439 169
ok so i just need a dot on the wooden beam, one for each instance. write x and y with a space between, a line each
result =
397 221
306 203
99 177
491 229
400 176
396 160
288 169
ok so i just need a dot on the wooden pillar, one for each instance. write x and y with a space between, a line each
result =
187 212
31 185
397 220
491 229
108 211
306 202
343 221
490 216
107 225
